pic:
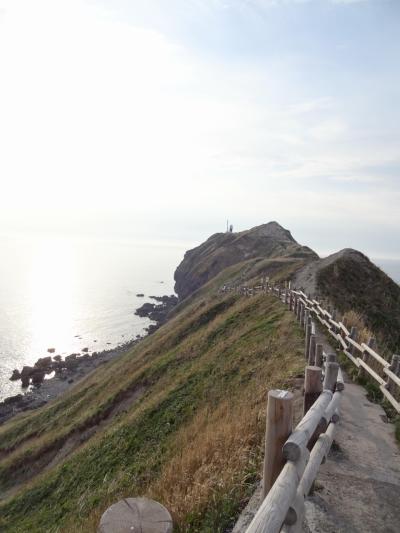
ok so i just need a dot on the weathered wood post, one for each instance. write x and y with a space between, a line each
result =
136 514
330 379
307 318
311 352
307 340
278 428
331 358
299 304
353 336
331 373
319 353
395 364
362 373
395 368
312 386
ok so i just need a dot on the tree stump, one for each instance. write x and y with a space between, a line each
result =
136 515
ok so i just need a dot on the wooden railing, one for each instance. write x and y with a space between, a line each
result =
364 356
293 456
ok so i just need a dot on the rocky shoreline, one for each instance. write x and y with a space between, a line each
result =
75 366
157 312
66 373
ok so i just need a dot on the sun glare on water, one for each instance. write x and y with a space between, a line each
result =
51 296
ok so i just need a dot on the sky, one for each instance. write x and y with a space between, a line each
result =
156 119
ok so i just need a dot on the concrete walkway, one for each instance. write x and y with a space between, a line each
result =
357 490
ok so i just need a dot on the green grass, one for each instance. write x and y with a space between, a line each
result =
362 287
209 366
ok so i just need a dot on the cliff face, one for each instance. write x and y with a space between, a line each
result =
222 250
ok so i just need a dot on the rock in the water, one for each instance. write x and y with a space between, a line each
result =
85 350
25 380
140 295
38 377
43 362
51 350
26 374
15 375
157 312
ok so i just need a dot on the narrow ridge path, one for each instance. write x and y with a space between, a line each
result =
358 488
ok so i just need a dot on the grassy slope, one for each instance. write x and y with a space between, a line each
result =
180 418
362 287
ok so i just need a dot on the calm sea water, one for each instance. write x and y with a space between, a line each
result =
71 293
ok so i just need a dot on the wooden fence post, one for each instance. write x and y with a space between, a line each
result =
331 358
311 352
395 368
353 335
319 351
279 426
312 386
362 373
331 373
136 514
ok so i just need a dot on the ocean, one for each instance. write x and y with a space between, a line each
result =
71 293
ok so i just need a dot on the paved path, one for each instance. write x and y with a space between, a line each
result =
357 490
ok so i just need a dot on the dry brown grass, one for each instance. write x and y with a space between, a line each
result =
218 452
354 319
212 367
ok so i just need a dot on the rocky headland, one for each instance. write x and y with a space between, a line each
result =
222 250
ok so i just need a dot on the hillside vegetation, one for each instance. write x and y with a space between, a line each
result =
351 282
180 418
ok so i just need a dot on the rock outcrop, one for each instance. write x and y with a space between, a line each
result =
157 312
222 250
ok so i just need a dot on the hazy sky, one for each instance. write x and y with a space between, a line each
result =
163 118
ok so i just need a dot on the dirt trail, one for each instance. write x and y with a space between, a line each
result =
357 490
